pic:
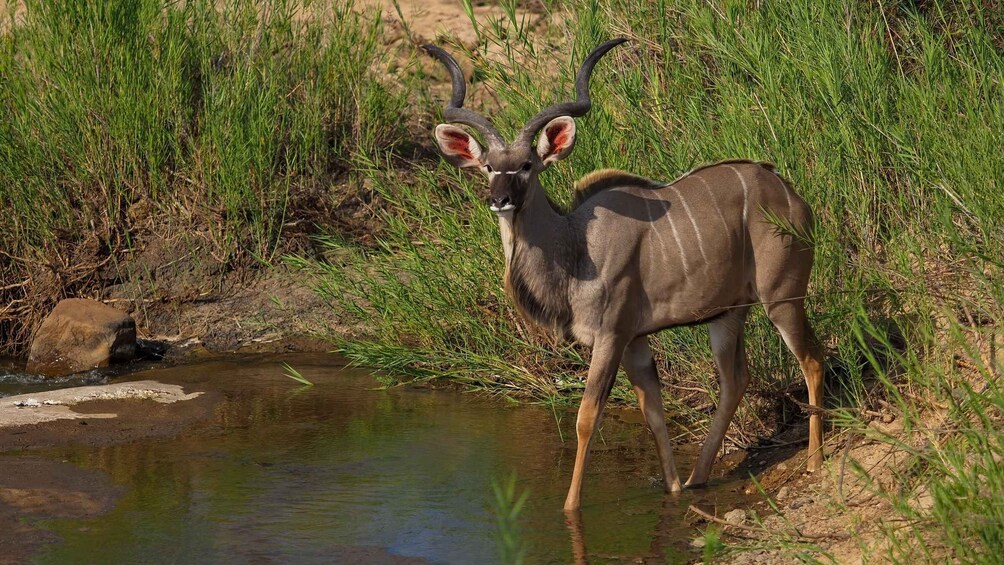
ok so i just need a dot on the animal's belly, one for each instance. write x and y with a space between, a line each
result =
692 299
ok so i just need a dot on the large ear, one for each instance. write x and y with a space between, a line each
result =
459 147
556 139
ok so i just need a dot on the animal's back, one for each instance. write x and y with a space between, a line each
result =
711 236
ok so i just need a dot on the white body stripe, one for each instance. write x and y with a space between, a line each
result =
658 233
676 236
693 222
746 195
714 201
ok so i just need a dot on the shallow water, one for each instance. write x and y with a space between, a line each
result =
343 473
14 379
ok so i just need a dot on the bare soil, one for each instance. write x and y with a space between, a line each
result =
835 512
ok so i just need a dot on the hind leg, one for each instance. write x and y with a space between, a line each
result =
640 369
733 376
790 320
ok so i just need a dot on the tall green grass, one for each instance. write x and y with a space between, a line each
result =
223 118
887 118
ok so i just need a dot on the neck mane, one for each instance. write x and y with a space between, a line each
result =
605 179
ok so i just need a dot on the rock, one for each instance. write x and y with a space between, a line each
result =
79 335
34 403
800 502
783 493
737 516
698 542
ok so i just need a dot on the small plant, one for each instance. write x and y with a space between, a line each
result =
296 375
507 506
713 544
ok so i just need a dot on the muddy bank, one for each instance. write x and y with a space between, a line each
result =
99 415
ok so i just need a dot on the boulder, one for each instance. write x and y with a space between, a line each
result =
79 335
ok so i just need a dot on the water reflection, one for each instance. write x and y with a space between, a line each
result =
343 473
669 537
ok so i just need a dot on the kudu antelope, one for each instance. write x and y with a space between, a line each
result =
634 256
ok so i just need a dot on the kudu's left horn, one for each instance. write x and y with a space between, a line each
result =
454 111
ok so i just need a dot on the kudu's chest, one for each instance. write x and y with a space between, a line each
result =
537 279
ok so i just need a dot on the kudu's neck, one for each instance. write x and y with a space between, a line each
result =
538 215
541 256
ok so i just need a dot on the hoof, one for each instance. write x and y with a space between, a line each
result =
815 463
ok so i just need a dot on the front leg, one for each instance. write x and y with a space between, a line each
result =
602 372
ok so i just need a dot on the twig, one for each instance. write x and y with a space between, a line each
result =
848 445
141 300
807 408
775 445
15 285
26 260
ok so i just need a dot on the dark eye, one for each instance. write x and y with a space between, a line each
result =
526 166
488 168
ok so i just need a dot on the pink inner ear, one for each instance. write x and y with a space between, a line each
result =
558 137
458 144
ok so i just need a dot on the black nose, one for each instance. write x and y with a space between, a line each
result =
501 201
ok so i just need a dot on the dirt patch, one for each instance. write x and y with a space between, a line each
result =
183 298
11 11
833 515
104 422
432 19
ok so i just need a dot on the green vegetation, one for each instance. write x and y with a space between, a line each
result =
297 376
888 119
127 121
507 507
